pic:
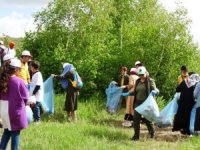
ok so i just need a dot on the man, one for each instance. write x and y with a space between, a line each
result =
184 74
11 49
138 64
24 72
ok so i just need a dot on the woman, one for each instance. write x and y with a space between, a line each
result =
71 100
185 104
13 97
143 87
197 99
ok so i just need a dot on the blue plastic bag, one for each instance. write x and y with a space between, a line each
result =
166 115
149 108
48 101
113 97
29 114
192 119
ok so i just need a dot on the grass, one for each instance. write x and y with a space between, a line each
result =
95 129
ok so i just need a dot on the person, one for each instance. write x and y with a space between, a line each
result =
123 81
72 93
184 74
11 49
143 87
1 42
13 98
2 54
138 64
24 72
197 99
36 89
129 102
185 105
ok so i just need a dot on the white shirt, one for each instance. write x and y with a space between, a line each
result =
37 80
10 51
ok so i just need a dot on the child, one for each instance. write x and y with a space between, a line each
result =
36 89
13 97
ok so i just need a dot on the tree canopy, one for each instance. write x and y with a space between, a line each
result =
98 37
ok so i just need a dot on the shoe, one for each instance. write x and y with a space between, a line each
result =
126 116
130 117
134 138
127 124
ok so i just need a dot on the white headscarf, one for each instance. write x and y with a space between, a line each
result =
192 80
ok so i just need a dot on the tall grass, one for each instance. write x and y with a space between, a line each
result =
95 130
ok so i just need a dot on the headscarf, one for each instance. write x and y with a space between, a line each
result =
192 80
68 67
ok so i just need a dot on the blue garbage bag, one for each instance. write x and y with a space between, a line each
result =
29 114
113 93
166 115
192 119
48 101
149 108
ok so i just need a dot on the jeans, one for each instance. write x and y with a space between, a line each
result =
14 139
36 111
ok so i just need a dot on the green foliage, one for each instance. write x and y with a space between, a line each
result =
98 37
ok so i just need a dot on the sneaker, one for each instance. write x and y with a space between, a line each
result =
127 124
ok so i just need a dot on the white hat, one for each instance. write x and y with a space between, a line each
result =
15 63
7 57
65 64
26 53
2 47
141 70
137 63
1 42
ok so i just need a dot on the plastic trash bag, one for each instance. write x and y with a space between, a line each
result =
149 108
166 115
29 114
113 97
192 118
48 101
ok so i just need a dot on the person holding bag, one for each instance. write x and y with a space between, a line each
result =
143 87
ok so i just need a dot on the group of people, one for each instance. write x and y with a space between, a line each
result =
136 88
16 88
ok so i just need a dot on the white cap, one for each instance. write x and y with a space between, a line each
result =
2 47
7 57
137 63
141 70
65 64
15 63
133 70
26 53
1 42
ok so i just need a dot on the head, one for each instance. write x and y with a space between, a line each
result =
7 58
138 64
12 69
124 70
11 45
183 70
35 66
25 56
133 71
142 72
1 42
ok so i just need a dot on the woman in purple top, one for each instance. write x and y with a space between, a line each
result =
13 98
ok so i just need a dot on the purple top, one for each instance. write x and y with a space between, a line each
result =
13 111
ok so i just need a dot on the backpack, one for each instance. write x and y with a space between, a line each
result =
77 83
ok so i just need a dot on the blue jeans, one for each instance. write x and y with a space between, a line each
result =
14 139
36 111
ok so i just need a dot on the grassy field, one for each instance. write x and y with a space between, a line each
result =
96 129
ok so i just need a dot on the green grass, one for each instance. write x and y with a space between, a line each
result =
95 129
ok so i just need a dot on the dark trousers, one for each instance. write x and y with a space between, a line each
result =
36 111
6 137
137 119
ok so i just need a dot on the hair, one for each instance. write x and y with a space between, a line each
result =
5 76
183 68
35 65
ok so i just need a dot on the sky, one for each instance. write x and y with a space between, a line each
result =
16 16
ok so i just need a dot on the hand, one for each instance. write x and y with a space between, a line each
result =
52 75
154 92
123 87
126 94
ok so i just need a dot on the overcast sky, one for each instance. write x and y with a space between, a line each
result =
16 16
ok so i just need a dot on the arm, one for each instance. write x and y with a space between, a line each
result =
179 87
196 90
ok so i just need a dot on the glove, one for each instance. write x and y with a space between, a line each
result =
154 92
126 94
